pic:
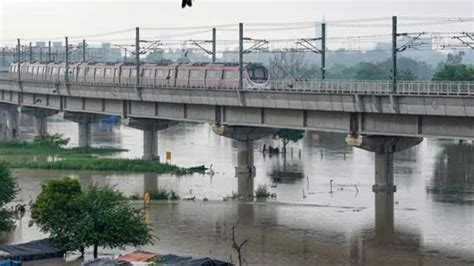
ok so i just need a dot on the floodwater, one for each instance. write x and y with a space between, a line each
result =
305 224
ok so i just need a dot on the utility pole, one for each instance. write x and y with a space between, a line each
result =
394 53
137 54
31 52
66 60
83 50
323 51
241 56
49 51
213 45
19 59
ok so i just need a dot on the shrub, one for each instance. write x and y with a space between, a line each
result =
262 192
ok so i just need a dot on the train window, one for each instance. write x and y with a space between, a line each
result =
82 71
231 74
90 72
259 73
125 73
147 73
109 72
183 73
99 72
197 74
161 74
214 74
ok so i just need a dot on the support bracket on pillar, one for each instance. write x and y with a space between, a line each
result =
384 189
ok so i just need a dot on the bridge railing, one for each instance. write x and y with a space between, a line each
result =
416 87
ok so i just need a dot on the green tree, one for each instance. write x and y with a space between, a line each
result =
110 221
370 71
56 211
8 190
287 135
455 72
95 217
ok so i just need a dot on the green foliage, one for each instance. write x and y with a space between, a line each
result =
408 69
287 135
164 194
80 158
262 192
174 195
51 141
455 72
104 164
160 194
293 135
8 190
95 217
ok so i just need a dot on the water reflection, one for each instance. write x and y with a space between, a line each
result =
307 224
453 179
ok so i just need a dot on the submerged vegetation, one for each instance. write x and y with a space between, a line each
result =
63 158
262 192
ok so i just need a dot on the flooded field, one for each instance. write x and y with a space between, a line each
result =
305 224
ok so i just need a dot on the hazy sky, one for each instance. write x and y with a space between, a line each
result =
32 19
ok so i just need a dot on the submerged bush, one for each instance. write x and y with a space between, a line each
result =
262 192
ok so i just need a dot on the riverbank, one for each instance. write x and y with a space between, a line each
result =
50 153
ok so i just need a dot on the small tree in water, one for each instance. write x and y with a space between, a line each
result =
96 217
287 135
8 190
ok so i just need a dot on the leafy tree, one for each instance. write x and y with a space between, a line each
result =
56 211
8 190
369 71
95 217
110 221
287 135
455 72
455 59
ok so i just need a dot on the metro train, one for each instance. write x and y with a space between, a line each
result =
163 74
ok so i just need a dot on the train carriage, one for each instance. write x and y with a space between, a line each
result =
196 75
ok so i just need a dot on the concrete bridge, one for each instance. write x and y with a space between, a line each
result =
376 117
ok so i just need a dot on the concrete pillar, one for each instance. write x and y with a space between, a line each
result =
40 115
84 120
85 136
150 129
245 169
13 123
384 188
150 144
150 183
41 126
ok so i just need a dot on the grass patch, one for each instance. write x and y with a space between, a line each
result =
79 158
262 192
104 164
164 194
